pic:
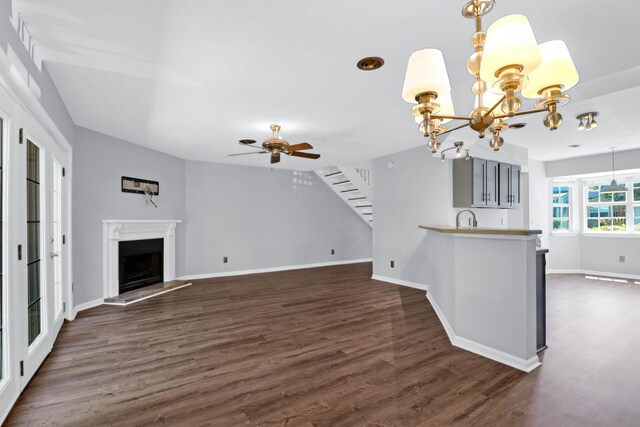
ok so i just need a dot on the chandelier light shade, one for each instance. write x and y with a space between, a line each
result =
426 72
557 69
506 61
510 42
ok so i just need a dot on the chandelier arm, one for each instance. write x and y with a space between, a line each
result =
500 101
440 117
522 113
452 129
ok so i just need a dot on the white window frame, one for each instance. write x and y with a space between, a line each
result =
629 204
571 206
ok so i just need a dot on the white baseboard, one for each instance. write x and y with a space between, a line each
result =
86 305
594 273
400 282
497 355
481 349
271 269
445 323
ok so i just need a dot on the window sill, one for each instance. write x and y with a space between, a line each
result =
564 233
625 235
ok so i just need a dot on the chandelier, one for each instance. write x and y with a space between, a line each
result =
507 60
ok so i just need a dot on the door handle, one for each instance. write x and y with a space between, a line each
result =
54 254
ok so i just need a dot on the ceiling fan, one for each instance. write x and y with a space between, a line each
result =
277 145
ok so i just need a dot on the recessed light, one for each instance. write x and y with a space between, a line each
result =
370 63
247 141
574 145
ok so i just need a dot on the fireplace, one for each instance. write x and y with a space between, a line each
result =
140 263
116 231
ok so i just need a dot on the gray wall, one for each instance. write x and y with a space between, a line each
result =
262 218
589 253
99 162
418 190
598 163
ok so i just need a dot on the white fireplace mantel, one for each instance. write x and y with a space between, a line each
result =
116 230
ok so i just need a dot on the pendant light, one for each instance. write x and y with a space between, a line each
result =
614 187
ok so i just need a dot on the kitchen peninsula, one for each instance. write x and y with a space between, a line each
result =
482 284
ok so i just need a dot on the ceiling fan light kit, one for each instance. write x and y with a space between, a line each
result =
507 60
277 145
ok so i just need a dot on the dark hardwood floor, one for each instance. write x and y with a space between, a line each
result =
331 347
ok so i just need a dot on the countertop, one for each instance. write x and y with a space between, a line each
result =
503 231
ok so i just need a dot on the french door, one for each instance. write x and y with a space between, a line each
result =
34 272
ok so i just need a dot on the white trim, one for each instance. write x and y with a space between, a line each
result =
445 323
86 306
564 234
400 282
497 355
595 273
149 296
270 269
483 350
623 234
5 414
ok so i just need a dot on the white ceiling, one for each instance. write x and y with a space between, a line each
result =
191 77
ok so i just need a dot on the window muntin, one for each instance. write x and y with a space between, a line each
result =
606 211
561 208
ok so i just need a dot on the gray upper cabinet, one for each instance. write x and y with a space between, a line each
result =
485 184
509 185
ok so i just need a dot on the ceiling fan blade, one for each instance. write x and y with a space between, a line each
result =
251 146
303 146
305 155
244 154
275 158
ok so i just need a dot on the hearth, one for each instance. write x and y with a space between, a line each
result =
140 263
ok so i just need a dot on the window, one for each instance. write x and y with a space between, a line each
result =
606 211
33 242
561 200
636 206
2 255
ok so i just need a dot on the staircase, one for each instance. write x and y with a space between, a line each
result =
353 186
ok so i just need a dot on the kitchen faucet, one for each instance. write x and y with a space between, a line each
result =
475 222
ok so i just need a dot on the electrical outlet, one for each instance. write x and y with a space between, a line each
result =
501 221
623 258
393 264
333 251
225 260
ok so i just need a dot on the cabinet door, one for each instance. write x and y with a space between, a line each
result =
479 181
491 183
515 186
504 186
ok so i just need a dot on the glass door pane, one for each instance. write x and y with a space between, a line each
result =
2 261
34 294
57 237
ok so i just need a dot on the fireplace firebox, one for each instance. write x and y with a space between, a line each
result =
140 263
